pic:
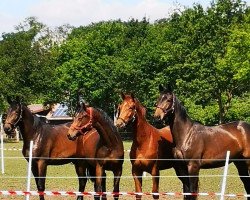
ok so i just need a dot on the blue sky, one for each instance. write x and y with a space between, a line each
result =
83 12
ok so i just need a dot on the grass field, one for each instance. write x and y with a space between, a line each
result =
63 178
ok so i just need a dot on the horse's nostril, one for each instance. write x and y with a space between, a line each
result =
7 129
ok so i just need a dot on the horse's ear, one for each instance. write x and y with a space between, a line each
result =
83 106
122 95
169 88
9 100
161 88
133 96
18 99
78 105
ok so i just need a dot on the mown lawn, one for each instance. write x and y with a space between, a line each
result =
63 178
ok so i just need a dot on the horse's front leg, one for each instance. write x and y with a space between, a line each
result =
181 171
82 179
155 178
137 175
117 176
34 169
193 171
41 174
98 181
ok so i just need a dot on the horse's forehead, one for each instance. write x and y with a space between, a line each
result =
164 96
13 107
128 101
82 113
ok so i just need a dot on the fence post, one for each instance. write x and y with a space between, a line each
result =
29 170
224 180
1 135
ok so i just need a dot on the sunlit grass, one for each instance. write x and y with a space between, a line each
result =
63 178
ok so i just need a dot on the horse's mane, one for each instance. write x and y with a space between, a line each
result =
107 119
140 107
181 108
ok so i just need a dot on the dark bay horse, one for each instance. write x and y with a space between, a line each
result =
110 154
149 144
51 145
204 146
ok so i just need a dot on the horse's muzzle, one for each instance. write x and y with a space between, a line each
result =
119 124
8 129
71 137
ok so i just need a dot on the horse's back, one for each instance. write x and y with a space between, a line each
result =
232 136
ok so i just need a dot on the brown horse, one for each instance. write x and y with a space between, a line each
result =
49 145
151 149
203 146
110 155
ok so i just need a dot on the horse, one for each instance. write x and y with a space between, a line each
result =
151 149
110 155
49 145
204 147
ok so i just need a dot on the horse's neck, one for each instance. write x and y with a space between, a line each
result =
27 125
106 130
140 128
180 123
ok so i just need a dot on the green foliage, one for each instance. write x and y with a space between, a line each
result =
204 54
26 68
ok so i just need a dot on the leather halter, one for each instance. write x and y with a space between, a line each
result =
18 119
85 128
164 110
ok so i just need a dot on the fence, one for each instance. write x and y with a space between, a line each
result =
27 192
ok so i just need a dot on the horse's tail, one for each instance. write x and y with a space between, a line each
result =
90 171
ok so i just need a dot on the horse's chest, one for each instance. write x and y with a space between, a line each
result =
141 157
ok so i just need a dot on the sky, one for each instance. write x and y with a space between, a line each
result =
83 12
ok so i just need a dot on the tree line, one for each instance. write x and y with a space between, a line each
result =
203 53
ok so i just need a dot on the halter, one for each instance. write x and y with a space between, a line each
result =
130 120
165 111
87 126
18 119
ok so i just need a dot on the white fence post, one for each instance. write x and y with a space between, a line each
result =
29 170
224 181
1 135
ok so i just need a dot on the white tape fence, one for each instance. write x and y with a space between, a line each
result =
28 192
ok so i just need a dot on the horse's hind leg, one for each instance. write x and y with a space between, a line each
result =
117 176
243 168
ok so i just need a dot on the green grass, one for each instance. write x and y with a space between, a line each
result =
63 178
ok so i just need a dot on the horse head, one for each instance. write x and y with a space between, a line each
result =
82 122
165 103
126 111
14 115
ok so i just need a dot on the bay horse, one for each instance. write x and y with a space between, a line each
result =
51 145
204 146
151 149
110 155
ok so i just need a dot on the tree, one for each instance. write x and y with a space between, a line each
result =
198 46
26 68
